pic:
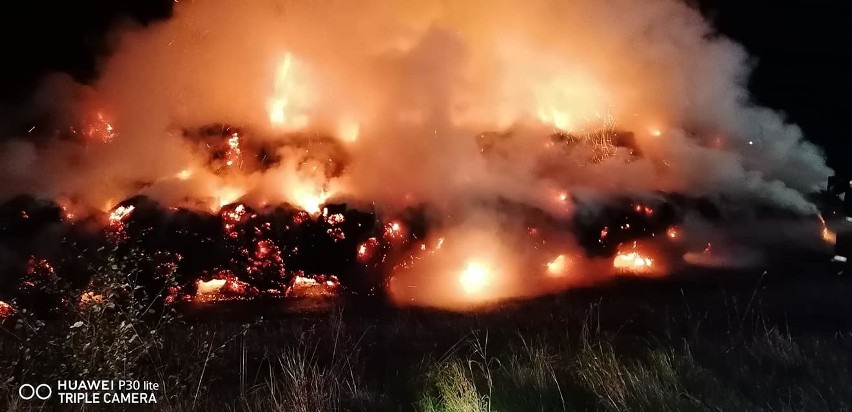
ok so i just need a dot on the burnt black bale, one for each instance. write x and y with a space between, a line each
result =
250 248
197 238
29 227
702 206
600 229
316 246
22 217
140 243
358 227
415 219
309 245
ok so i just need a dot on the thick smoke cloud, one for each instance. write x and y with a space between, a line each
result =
421 81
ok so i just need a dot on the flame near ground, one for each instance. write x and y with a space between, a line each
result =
460 107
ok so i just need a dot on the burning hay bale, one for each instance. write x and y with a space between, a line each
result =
221 287
240 253
244 168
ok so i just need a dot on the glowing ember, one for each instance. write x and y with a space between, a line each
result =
224 286
39 267
411 260
474 278
558 266
672 233
632 261
643 209
367 249
234 217
336 234
100 129
301 217
234 156
335 219
119 214
828 236
317 286
6 310
393 231
263 248
305 281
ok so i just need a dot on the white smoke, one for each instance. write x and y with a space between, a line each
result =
422 80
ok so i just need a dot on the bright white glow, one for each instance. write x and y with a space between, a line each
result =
474 278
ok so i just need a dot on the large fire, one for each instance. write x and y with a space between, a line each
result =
339 144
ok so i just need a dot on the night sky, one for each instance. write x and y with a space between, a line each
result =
801 52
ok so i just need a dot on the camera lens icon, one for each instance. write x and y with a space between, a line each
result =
42 391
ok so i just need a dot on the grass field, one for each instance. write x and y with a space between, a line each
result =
752 343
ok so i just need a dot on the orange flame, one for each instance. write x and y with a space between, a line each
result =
317 286
558 266
100 129
632 261
672 232
225 286
309 200
286 110
120 213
